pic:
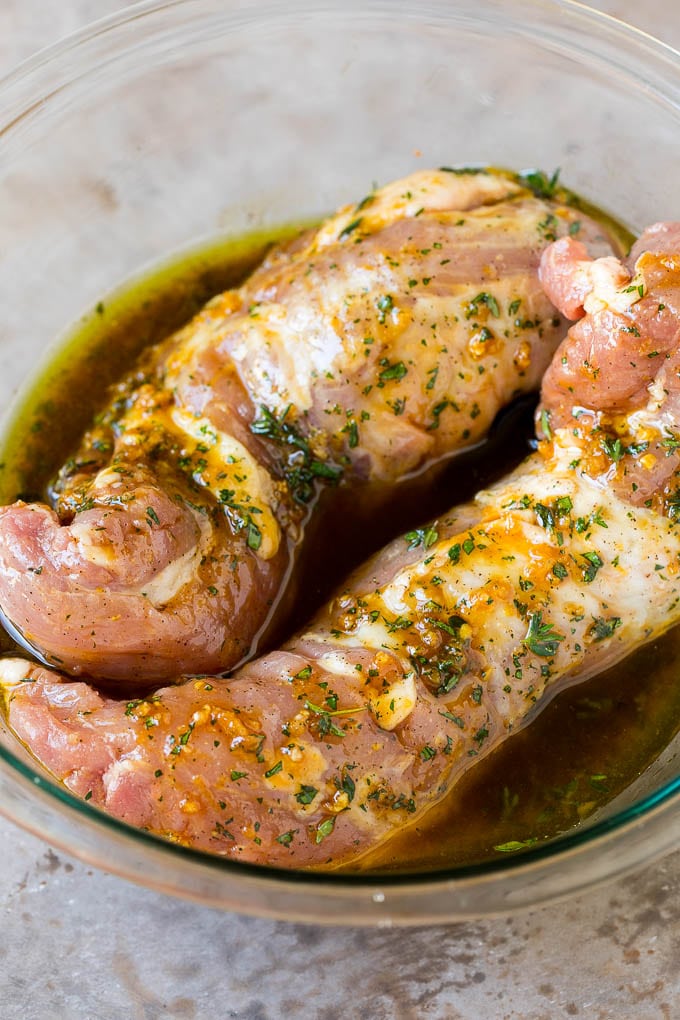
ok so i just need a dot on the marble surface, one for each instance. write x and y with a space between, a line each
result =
79 944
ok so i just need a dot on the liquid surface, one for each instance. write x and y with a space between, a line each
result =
582 750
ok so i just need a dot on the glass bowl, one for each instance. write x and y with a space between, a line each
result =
174 122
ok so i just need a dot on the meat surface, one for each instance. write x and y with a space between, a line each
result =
614 384
363 352
433 653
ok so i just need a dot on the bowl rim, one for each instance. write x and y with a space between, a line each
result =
19 98
608 24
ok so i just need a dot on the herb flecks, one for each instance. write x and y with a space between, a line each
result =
441 663
541 638
392 372
483 299
350 228
324 718
301 468
424 537
592 565
241 517
324 829
539 182
306 794
513 845
602 628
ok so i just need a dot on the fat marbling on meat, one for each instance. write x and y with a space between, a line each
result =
444 643
359 354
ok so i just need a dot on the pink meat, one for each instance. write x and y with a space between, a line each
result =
621 360
245 768
383 343
307 757
564 276
95 615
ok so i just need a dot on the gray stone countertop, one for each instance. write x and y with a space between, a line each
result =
78 944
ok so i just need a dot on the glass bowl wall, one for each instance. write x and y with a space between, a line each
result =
176 122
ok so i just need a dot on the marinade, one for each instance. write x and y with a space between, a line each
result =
590 743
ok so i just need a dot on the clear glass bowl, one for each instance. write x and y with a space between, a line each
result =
178 121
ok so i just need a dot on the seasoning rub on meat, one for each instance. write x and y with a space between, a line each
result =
359 354
445 642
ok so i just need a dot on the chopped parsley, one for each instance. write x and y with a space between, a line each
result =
394 372
614 449
306 794
350 228
483 299
301 469
602 629
539 182
541 638
348 785
241 517
422 536
384 305
324 829
594 562
454 553
515 844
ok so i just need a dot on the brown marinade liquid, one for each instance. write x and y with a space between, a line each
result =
582 750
